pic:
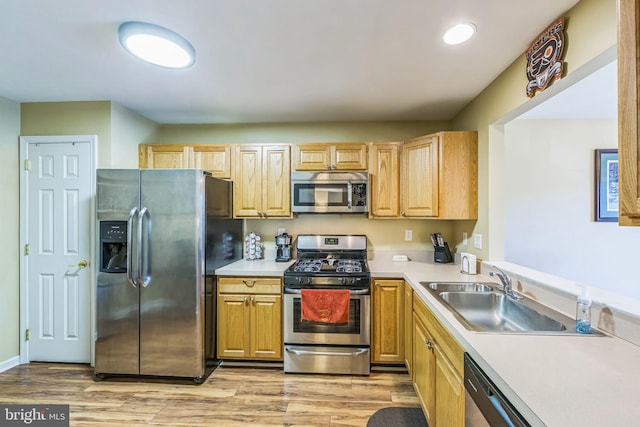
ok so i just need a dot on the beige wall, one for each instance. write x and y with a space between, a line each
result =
383 235
591 30
10 214
128 129
285 133
70 118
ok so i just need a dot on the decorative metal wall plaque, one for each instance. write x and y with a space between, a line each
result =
544 58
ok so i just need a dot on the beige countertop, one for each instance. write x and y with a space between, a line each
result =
262 267
552 380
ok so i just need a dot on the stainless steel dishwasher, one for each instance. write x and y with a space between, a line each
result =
485 405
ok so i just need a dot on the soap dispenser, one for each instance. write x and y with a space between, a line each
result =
583 312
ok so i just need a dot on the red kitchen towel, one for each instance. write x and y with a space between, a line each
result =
325 305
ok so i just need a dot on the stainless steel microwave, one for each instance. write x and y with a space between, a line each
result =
330 192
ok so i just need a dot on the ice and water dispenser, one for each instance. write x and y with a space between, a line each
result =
113 246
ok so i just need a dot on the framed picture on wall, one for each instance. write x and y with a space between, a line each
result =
606 185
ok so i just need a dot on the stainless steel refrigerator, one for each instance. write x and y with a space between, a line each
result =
161 233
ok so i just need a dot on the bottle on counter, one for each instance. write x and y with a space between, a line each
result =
583 312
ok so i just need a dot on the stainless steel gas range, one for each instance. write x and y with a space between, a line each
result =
327 306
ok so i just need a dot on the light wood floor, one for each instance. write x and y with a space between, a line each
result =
231 396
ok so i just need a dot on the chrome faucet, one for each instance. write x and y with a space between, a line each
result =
506 283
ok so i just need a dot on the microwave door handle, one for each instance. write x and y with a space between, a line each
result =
349 194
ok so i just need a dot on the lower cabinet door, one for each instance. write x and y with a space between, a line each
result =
450 393
233 326
424 364
266 327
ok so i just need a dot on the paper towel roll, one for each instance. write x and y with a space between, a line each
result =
467 263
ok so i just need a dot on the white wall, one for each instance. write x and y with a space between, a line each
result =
549 205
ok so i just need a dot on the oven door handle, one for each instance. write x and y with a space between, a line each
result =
353 291
326 353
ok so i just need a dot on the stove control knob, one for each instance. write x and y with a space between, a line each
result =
308 280
353 280
343 280
299 280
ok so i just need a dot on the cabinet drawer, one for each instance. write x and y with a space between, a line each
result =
250 285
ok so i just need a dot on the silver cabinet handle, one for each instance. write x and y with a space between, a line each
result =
252 300
428 343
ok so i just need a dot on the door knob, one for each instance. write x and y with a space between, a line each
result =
82 264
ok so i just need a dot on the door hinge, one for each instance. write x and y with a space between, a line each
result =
27 165
27 249
27 335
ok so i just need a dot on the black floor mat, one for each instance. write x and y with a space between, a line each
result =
398 417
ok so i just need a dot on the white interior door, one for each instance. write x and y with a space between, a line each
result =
59 177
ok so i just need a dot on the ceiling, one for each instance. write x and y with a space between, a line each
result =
269 60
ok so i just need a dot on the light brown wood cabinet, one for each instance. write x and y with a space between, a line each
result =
438 369
384 179
439 176
249 318
387 321
408 328
324 156
628 122
214 158
164 156
262 181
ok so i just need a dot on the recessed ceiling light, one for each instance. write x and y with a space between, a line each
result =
156 45
459 33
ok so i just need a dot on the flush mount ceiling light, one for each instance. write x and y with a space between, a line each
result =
459 33
156 45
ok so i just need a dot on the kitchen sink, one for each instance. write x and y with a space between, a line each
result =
483 307
459 286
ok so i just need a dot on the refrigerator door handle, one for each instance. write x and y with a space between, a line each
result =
130 277
144 275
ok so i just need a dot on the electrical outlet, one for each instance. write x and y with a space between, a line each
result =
280 230
477 241
408 235
465 239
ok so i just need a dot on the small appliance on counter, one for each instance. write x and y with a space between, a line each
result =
441 252
283 247
253 247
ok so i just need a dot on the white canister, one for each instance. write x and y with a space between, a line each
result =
467 263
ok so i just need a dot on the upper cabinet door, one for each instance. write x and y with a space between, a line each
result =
311 157
247 181
321 156
262 181
628 87
420 177
164 156
439 176
384 179
277 181
215 159
349 156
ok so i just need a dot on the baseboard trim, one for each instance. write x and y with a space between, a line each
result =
9 363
